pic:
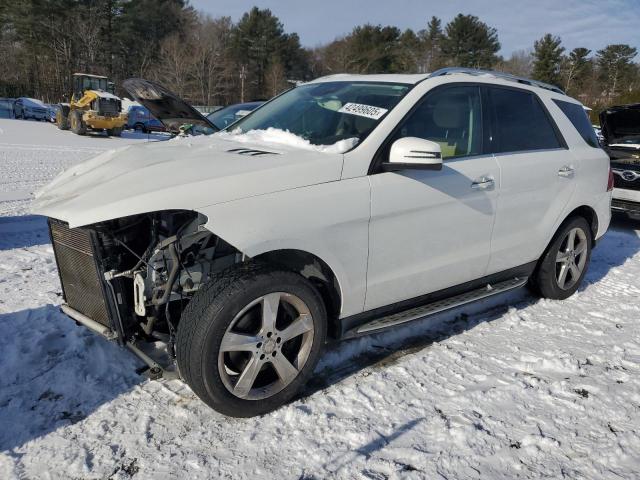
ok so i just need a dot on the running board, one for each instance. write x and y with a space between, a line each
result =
442 305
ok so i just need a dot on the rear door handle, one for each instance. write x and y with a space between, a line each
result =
483 183
566 171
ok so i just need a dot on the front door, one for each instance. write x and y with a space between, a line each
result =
431 230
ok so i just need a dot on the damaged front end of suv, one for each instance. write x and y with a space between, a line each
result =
130 278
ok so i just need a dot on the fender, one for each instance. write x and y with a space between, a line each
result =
329 220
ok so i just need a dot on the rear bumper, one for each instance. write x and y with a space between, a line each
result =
626 201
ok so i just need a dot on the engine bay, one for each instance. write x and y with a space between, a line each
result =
153 264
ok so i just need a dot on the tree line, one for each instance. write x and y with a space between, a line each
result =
214 61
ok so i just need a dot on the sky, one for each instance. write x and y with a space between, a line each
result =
580 23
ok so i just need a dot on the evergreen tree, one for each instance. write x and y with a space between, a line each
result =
468 42
432 46
576 68
616 69
547 55
258 41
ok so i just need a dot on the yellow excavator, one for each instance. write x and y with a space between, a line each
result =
93 106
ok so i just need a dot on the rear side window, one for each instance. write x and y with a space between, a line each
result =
578 117
520 122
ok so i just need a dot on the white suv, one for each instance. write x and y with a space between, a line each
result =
345 206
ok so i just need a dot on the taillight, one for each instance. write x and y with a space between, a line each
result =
610 182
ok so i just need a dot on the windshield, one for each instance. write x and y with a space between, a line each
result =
93 83
325 113
226 116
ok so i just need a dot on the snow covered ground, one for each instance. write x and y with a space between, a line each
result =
534 389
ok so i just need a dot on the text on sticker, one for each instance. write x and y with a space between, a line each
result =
361 110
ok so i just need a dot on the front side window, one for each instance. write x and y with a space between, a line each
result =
451 117
520 122
327 112
578 117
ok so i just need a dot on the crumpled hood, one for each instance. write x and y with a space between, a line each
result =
183 173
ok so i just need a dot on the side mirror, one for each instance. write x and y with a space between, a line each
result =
411 153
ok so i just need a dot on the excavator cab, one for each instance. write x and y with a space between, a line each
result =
83 82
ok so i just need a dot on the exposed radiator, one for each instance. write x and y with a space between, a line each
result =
82 284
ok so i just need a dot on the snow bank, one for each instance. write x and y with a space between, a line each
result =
282 137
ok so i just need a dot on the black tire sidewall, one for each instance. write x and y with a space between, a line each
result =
220 313
546 282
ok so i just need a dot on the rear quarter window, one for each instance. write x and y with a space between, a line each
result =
578 117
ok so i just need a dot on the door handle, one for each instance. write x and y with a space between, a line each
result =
484 183
566 171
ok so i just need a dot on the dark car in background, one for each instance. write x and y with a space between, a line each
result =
621 133
25 108
6 107
230 114
140 119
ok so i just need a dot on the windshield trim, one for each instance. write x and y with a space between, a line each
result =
410 86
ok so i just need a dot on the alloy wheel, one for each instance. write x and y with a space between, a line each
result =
266 346
571 258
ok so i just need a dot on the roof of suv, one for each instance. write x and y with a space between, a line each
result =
500 77
411 78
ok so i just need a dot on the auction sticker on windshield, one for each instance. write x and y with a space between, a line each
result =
361 110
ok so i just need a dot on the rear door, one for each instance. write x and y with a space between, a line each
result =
537 175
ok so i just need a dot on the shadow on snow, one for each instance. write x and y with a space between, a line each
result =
23 231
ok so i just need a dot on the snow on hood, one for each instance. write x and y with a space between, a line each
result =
284 137
188 174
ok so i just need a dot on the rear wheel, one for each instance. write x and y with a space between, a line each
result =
249 340
77 123
565 262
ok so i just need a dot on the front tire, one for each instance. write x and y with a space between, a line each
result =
77 123
564 264
249 340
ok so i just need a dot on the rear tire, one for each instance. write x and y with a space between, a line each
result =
77 123
565 262
237 357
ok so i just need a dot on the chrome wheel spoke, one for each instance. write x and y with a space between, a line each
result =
562 275
235 342
270 304
575 272
285 370
580 248
247 378
562 257
299 326
571 240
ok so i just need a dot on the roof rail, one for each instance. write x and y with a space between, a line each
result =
505 76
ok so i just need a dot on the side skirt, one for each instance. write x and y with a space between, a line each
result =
436 302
